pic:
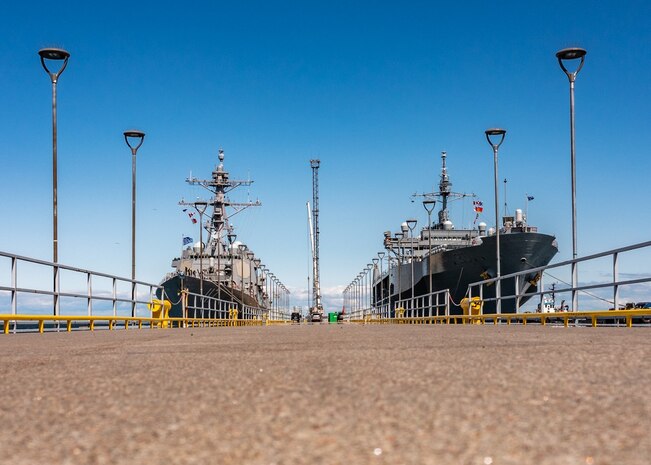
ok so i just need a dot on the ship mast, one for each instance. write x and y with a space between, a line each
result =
314 237
219 185
444 190
444 193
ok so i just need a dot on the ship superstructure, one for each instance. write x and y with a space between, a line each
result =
222 267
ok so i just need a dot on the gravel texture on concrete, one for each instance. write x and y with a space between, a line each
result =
328 394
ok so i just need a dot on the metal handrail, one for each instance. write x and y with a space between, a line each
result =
164 322
417 306
88 296
593 318
614 282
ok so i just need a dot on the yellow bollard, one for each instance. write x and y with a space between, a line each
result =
160 310
472 307
400 313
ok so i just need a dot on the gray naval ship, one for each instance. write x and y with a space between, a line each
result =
231 272
459 257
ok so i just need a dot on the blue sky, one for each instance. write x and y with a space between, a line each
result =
374 89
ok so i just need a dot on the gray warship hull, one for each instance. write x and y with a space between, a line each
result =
174 284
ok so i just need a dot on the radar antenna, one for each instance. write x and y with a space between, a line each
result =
444 193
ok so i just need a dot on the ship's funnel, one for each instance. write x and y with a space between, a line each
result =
519 218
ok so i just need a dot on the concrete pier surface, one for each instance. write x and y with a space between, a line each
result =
328 394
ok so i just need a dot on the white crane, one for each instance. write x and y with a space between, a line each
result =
313 219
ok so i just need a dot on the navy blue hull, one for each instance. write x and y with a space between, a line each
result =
456 269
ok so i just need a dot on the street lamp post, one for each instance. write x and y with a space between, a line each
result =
256 267
219 266
356 295
250 256
261 279
272 286
572 54
399 236
374 294
242 248
495 132
381 256
138 137
231 238
429 207
54 54
411 224
363 289
200 207
369 268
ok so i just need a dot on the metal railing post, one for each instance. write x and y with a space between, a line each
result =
14 286
115 297
615 280
57 290
517 294
89 286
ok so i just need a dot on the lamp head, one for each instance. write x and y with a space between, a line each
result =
201 206
53 53
231 238
56 54
569 54
380 255
136 135
375 261
429 205
494 133
411 223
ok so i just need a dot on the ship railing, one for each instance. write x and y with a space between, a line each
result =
30 287
360 314
198 306
428 305
213 308
598 289
435 304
